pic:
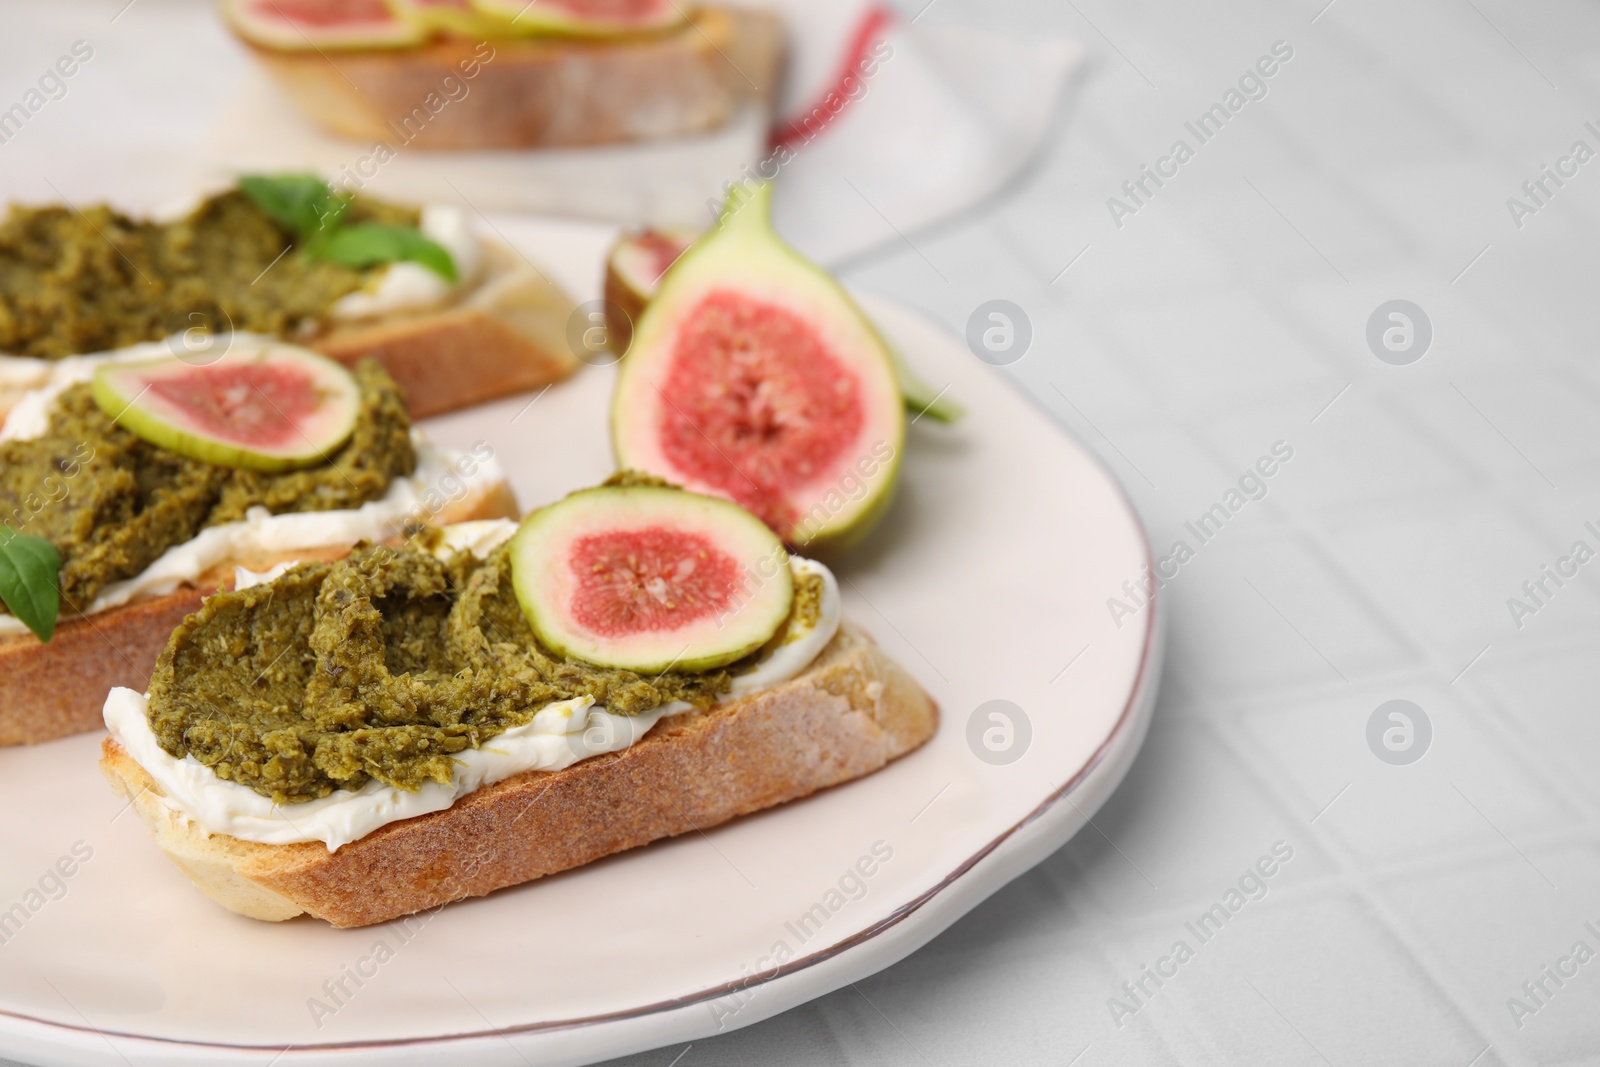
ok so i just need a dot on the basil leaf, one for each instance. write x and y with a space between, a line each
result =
30 568
367 243
300 203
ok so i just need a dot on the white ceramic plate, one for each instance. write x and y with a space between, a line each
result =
988 578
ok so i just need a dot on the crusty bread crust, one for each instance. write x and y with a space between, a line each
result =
57 689
847 715
540 92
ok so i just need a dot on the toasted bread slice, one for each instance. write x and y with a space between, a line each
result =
505 333
51 690
847 715
545 92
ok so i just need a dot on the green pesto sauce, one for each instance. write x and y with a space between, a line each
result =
383 665
76 281
112 503
627 478
806 609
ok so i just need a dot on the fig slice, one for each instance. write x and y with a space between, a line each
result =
587 18
634 269
752 375
265 407
650 578
320 25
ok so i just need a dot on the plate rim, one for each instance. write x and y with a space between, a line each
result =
1127 733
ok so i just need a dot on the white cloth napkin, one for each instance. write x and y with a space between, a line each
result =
945 119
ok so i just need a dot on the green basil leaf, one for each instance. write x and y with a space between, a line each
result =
300 203
30 569
366 244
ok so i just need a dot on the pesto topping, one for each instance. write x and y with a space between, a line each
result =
807 608
92 280
381 666
112 503
625 479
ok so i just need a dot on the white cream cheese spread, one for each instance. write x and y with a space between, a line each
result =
261 533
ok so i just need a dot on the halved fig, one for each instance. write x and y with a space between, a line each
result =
634 269
650 578
265 407
309 25
588 18
752 375
640 259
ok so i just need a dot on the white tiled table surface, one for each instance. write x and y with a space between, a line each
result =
1226 315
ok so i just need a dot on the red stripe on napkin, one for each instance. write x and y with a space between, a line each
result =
816 118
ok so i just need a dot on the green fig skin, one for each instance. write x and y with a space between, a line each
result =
461 22
547 20
339 398
263 23
833 545
547 533
743 246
